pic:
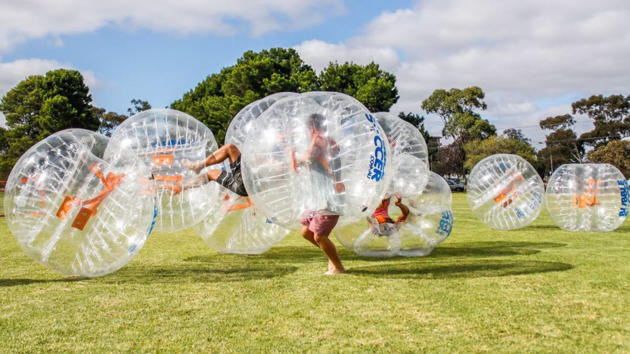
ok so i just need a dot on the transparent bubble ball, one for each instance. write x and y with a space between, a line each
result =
505 192
316 152
587 197
403 136
409 154
430 221
238 227
74 212
241 124
162 139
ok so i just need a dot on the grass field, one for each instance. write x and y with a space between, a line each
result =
535 289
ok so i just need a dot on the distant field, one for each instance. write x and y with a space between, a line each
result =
535 289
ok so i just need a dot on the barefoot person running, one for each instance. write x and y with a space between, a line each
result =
326 191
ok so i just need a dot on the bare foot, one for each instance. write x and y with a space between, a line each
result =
335 271
193 166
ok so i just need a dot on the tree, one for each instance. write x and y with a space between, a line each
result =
459 109
5 163
138 106
41 105
449 160
477 150
516 134
108 120
375 88
611 117
433 142
616 153
561 145
217 99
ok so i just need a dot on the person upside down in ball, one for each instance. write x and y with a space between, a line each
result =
232 180
325 192
381 223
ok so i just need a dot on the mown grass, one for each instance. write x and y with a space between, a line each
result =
535 289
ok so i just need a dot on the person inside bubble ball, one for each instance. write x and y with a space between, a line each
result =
232 180
381 223
326 190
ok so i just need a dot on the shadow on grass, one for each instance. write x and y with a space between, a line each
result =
312 254
472 249
623 229
476 269
540 227
17 282
492 249
214 273
303 254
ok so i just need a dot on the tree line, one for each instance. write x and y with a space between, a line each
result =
43 104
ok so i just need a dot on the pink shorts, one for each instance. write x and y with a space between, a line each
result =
320 224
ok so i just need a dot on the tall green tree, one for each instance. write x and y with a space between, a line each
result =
516 134
449 160
460 111
108 121
137 106
220 96
610 115
5 163
477 150
616 153
561 145
375 88
43 104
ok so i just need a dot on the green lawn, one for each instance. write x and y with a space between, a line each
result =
535 289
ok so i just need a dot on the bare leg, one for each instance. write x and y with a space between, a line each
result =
331 251
309 235
212 175
224 152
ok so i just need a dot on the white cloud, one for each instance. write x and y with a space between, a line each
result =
520 53
320 54
24 20
11 73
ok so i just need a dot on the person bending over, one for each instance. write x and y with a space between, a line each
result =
381 223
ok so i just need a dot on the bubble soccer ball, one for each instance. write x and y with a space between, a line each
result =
505 192
430 221
162 139
403 136
238 227
241 124
587 197
73 212
317 152
409 154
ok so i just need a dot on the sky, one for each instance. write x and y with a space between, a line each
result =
532 58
